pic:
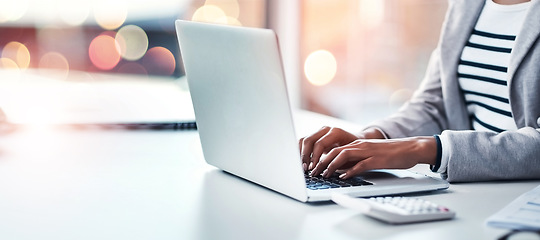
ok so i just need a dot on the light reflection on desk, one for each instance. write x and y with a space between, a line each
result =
233 208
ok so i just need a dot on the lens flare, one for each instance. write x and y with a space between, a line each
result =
132 42
159 61
13 10
74 13
55 61
399 97
320 67
210 14
17 52
371 12
133 68
103 52
231 21
231 8
7 63
110 14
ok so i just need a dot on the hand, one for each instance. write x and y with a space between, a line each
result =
314 146
362 155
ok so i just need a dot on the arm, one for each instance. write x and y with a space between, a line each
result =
367 154
466 155
422 116
482 156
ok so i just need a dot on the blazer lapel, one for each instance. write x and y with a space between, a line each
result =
458 30
460 22
526 38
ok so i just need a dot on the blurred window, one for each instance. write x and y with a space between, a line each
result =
112 36
362 59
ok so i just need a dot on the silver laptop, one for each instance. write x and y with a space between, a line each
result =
241 105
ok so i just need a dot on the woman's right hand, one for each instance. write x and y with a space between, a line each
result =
314 146
321 142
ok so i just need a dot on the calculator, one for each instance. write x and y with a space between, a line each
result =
395 210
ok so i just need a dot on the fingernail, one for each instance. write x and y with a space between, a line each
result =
343 175
325 173
311 166
304 165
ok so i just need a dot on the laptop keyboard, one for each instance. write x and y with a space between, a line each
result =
318 182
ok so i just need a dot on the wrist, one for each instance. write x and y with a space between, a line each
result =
427 150
372 133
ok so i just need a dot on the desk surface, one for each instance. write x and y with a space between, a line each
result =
96 184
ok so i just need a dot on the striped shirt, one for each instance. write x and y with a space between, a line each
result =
483 66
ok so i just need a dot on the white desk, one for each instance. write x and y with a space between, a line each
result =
155 185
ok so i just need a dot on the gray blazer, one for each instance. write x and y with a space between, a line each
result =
438 106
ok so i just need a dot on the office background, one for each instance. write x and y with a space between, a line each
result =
353 59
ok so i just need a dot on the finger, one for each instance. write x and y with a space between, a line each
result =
300 143
308 142
334 138
321 165
324 144
332 155
360 167
349 154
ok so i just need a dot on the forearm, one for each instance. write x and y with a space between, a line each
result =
372 133
368 154
427 150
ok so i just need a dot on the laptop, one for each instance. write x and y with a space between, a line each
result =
239 94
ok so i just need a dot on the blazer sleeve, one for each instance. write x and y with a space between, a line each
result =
483 156
470 155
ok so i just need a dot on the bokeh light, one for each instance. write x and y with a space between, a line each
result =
13 10
320 67
159 61
231 8
6 63
232 21
45 11
56 62
218 11
371 12
132 68
132 42
74 13
17 52
210 14
110 14
399 97
103 52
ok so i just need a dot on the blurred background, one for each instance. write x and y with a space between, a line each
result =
358 60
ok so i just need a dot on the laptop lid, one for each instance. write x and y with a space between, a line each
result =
241 105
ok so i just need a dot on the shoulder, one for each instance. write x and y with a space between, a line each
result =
465 2
459 9
465 5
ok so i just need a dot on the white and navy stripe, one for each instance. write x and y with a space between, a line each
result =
482 76
483 67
